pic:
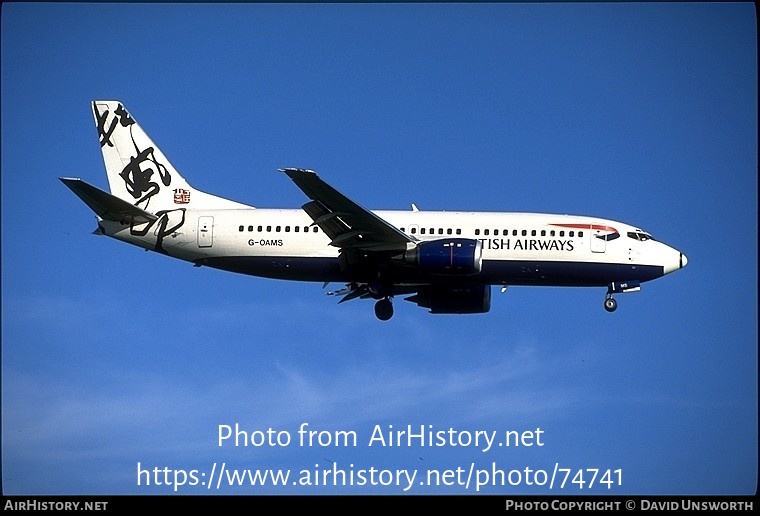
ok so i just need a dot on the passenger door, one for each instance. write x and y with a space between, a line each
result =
598 241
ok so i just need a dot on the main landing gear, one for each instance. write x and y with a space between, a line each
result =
384 309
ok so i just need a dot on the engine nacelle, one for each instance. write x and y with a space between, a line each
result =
447 256
466 299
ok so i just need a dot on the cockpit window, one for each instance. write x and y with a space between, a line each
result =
640 235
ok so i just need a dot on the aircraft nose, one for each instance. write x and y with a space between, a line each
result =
673 260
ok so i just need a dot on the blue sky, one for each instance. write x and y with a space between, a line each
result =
643 113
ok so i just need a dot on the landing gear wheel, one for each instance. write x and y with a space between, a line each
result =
384 309
610 304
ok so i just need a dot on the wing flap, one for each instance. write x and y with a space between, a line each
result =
329 222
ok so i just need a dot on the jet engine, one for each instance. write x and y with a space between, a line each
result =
447 256
464 299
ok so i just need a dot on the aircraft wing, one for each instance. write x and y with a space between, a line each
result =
348 225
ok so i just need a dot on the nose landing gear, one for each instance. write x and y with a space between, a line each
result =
616 287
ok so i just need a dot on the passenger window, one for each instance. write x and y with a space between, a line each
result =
269 229
260 229
250 228
287 229
477 232
448 231
571 234
240 228
580 233
485 232
316 228
524 232
277 229
533 233
459 231
414 231
422 231
561 233
440 231
296 228
543 232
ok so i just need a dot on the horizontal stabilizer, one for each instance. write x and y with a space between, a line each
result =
107 206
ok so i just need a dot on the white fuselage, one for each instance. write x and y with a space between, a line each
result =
517 248
443 261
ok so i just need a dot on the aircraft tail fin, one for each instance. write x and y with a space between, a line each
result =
138 172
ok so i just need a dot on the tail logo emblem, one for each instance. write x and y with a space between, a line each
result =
181 196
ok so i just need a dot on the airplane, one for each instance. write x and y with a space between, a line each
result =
445 261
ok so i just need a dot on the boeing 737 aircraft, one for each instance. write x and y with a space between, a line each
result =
446 261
